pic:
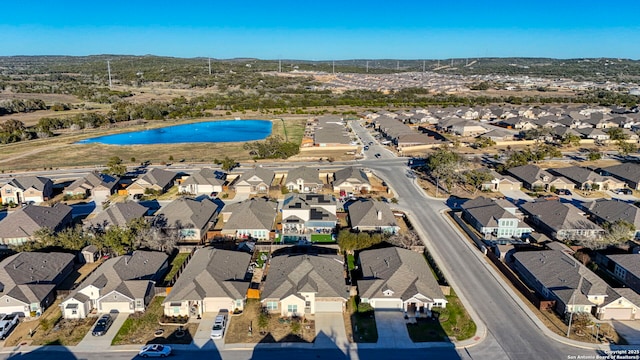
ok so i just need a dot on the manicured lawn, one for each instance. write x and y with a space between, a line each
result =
363 322
351 261
175 265
259 260
452 321
321 238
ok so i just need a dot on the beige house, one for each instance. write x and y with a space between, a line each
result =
213 280
351 180
249 219
26 189
155 179
254 181
304 285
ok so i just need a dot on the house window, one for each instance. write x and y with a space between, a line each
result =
364 300
272 305
74 312
292 308
176 309
307 303
238 304
437 304
138 303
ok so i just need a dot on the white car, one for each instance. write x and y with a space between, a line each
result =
155 350
219 326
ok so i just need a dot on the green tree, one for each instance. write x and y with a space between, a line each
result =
625 148
228 164
594 155
616 134
483 142
571 140
475 178
115 167
445 166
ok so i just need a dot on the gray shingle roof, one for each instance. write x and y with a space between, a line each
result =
403 271
626 171
27 220
142 266
631 262
30 276
613 210
119 214
529 173
562 274
578 174
350 174
330 130
159 177
307 174
291 274
261 174
558 216
93 180
212 273
367 213
188 213
256 213
486 211
26 182
206 176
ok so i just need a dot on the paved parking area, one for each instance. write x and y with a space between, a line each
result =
516 196
102 342
330 330
392 329
202 336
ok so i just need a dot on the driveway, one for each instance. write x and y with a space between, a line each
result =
90 342
392 329
203 334
629 330
330 331
627 198
516 196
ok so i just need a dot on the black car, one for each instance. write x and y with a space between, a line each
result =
102 325
625 192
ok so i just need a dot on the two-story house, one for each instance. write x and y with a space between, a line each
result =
494 217
26 189
309 214
304 180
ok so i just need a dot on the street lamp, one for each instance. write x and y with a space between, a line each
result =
573 301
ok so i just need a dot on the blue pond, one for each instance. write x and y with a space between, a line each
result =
202 132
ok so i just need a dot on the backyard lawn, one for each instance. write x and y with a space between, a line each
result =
139 328
452 321
175 265
322 238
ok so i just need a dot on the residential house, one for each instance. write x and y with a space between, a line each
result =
518 123
191 218
561 221
627 172
305 284
593 133
118 214
18 227
205 181
372 215
625 268
156 180
213 280
556 275
494 218
253 218
96 185
309 214
304 180
498 135
124 284
586 179
610 211
26 189
351 180
467 128
330 131
398 279
501 182
28 281
533 177
254 181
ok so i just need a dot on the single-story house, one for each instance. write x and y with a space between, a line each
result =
253 218
254 181
213 280
19 226
351 180
205 181
372 215
96 185
561 221
627 172
304 180
191 217
153 180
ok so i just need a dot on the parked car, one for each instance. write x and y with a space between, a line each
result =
366 147
155 350
7 323
563 192
102 325
377 155
624 192
219 325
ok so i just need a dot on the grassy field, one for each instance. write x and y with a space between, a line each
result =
60 151
321 238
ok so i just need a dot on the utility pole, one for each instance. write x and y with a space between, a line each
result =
279 65
367 65
573 301
334 66
397 65
209 66
423 66
109 72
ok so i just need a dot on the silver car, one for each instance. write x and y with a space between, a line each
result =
219 326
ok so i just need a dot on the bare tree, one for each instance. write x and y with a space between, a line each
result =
405 239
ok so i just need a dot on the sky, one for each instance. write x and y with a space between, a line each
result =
323 30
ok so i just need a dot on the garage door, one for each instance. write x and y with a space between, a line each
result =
12 309
328 306
214 305
618 314
387 305
121 307
243 189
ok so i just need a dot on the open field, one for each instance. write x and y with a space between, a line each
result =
62 152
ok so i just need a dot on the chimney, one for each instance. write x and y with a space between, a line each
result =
379 215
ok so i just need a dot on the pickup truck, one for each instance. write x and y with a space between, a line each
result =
7 323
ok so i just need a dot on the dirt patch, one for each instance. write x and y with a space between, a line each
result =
278 329
50 329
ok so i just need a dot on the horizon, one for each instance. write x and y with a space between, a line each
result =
375 30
